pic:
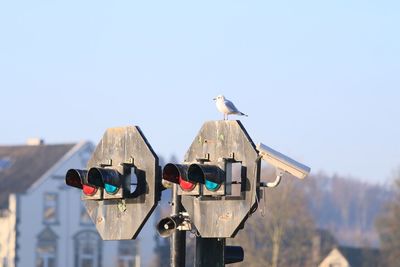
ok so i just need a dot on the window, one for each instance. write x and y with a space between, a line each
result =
84 216
5 163
87 249
50 215
46 249
127 252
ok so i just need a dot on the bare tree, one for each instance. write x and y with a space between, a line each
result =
281 233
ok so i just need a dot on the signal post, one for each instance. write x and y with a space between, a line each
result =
123 182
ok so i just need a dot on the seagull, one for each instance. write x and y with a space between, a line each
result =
226 107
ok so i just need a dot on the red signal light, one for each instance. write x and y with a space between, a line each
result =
177 173
171 173
89 190
78 178
186 185
74 177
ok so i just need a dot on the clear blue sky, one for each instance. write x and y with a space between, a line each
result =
320 80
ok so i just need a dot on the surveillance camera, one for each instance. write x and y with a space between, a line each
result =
283 162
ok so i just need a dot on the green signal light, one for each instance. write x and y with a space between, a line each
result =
211 185
110 189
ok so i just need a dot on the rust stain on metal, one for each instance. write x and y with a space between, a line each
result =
227 216
121 206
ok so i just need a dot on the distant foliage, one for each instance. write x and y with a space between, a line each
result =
346 207
285 236
388 225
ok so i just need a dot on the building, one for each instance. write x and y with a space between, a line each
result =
42 221
352 257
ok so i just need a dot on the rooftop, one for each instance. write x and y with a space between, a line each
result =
21 166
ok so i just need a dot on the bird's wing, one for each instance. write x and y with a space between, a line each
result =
231 106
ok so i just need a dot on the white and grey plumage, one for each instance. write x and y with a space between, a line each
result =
226 107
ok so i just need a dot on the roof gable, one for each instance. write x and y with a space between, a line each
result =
334 257
362 257
21 166
353 257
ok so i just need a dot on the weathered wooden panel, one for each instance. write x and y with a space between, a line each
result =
223 216
117 219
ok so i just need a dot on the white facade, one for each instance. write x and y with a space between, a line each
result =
52 227
334 259
8 221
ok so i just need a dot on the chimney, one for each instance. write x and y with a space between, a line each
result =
316 249
34 141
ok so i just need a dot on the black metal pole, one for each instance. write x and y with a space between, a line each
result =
178 238
210 252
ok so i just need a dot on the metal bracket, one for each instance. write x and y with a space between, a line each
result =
206 158
279 174
186 224
129 162
107 164
230 158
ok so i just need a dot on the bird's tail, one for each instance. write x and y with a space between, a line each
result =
242 114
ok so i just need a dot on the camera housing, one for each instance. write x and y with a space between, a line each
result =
283 162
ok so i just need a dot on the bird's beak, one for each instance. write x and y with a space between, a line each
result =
214 98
